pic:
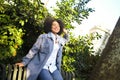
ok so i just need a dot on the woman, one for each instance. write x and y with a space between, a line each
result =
43 60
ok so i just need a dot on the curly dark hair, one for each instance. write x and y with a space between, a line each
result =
48 24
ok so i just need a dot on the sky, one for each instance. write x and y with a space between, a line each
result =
106 15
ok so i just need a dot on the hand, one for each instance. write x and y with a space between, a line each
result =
20 64
65 31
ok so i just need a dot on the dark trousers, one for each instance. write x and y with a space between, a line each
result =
46 75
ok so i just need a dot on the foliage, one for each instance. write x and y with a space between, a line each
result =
78 55
10 35
31 16
27 16
10 40
72 11
18 17
21 21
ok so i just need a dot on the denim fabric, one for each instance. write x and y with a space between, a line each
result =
46 75
39 54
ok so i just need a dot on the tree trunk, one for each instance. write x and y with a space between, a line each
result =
108 67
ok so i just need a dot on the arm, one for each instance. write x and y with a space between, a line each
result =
66 35
34 50
65 38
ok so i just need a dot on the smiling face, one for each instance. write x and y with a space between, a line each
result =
55 27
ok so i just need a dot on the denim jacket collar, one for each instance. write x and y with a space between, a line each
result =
60 40
50 35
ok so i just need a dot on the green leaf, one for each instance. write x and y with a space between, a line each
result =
21 22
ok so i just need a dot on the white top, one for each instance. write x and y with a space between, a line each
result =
51 62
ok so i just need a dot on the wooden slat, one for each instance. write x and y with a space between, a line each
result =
73 75
70 76
24 73
63 74
14 72
9 73
20 71
66 76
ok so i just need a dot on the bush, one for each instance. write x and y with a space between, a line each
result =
78 55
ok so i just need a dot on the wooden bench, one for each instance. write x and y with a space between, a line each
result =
68 75
13 72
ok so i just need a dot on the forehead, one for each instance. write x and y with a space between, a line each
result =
55 22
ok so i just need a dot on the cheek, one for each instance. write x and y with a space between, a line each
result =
52 28
59 28
55 27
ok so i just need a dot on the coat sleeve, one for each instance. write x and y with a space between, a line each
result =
34 50
65 39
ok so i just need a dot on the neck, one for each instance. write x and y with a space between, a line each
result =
54 33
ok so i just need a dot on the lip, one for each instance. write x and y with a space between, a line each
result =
56 29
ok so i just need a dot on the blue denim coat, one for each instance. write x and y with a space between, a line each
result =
39 54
